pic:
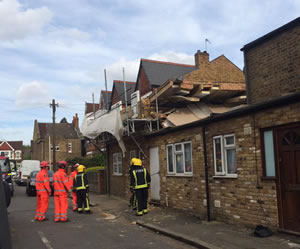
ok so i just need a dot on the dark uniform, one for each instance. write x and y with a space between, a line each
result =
139 181
81 186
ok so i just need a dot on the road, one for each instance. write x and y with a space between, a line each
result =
83 230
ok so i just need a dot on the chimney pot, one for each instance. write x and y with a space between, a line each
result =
201 59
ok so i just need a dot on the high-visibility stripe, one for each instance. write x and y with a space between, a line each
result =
41 190
60 190
82 183
135 180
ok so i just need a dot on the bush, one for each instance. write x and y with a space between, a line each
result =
88 162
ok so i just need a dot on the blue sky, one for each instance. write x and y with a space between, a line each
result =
58 49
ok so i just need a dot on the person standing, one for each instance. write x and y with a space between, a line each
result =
140 181
43 191
74 195
82 190
61 189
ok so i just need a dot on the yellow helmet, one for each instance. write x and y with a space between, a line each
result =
80 168
136 161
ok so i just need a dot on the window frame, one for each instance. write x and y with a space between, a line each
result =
70 147
263 154
224 148
118 164
179 152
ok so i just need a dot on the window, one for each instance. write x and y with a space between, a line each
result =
135 98
69 147
56 147
18 155
179 158
225 155
117 163
268 153
132 154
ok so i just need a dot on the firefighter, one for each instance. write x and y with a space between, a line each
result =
43 191
140 182
82 190
74 195
61 189
132 200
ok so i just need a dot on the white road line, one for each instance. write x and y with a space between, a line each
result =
44 239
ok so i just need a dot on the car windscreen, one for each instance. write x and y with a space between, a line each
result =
33 174
4 165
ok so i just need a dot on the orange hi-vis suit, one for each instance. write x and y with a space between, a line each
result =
74 195
43 191
61 189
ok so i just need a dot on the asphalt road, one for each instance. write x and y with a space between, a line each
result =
83 230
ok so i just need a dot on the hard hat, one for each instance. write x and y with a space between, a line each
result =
62 164
136 161
133 161
80 168
44 164
76 165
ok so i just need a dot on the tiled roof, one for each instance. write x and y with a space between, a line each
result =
89 107
17 145
119 87
65 130
105 95
158 72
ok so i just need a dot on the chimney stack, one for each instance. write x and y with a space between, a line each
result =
75 121
201 59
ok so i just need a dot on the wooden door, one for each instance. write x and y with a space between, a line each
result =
289 177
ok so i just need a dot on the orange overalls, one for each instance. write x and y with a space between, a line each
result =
61 189
73 175
43 191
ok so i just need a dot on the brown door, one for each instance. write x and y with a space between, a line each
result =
289 177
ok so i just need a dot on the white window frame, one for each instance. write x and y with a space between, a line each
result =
117 164
18 154
174 153
132 154
135 98
224 148
69 147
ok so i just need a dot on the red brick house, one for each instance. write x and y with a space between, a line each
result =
12 149
118 93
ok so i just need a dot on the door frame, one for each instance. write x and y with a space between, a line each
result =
276 130
158 173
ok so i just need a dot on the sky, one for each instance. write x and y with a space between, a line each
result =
58 49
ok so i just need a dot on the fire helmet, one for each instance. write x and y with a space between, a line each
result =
80 168
136 162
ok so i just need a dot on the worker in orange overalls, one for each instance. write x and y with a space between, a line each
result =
43 191
61 189
74 195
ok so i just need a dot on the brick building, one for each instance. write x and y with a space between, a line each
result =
68 143
241 166
13 150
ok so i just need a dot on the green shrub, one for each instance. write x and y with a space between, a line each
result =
94 169
99 159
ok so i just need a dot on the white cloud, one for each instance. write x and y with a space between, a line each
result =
171 56
16 23
32 94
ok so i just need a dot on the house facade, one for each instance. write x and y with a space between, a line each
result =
68 143
13 150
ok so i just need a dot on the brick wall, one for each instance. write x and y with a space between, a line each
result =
273 67
143 83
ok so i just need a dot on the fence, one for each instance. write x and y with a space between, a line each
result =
97 181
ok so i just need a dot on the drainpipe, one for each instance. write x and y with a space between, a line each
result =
206 173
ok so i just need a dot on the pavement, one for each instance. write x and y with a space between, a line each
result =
190 229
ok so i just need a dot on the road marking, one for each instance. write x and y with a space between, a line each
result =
44 239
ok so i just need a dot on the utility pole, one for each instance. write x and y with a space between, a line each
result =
53 106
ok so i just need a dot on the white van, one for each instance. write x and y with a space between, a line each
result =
25 169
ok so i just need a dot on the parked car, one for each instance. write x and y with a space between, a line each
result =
30 185
26 167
